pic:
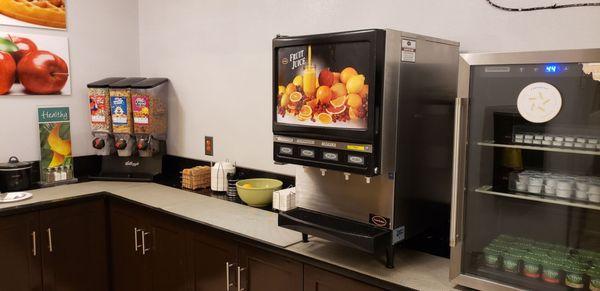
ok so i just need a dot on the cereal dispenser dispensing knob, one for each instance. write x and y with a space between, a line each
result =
98 143
121 144
142 144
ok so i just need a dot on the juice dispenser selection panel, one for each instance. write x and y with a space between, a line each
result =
324 85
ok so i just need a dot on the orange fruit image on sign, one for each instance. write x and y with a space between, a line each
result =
353 113
336 110
291 88
306 111
297 81
324 94
338 102
347 73
339 90
295 96
325 118
354 101
364 91
285 100
355 84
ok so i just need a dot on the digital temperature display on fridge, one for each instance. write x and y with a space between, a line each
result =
324 85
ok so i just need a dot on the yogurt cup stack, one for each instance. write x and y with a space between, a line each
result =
581 188
553 140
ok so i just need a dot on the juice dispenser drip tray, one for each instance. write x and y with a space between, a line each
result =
348 232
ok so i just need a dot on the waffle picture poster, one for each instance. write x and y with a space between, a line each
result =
49 14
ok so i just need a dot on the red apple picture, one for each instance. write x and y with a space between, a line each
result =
42 72
326 78
25 46
7 72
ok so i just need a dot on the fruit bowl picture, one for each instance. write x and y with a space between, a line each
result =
334 99
34 65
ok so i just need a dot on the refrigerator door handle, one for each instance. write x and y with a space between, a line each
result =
457 178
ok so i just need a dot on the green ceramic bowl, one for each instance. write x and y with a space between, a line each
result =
257 192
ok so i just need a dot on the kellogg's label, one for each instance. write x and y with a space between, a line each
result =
118 106
141 111
98 109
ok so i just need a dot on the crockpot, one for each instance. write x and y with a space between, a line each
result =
15 175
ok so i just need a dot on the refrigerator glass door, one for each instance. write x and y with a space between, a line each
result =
532 199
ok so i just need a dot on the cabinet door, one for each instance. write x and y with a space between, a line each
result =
74 247
126 247
265 271
20 255
320 280
167 254
211 254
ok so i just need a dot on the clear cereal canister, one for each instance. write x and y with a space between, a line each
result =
99 100
149 106
120 105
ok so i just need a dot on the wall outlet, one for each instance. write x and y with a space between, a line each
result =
208 145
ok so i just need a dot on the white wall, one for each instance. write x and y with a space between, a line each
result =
103 40
218 54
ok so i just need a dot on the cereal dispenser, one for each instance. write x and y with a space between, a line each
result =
122 116
101 124
149 107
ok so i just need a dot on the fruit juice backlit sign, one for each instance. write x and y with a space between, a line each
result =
324 85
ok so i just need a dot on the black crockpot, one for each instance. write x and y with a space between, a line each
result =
15 175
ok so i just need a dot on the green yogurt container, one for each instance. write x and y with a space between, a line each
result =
510 261
594 275
574 277
492 257
532 266
551 272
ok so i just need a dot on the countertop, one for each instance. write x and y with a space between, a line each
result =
413 269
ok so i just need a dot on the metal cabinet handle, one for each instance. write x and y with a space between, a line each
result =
50 247
144 249
135 235
239 278
34 241
456 171
228 283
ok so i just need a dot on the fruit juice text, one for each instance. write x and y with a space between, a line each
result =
330 89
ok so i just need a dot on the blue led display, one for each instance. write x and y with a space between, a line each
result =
552 69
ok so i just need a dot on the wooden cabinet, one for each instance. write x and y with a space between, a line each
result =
73 247
316 279
58 249
214 262
266 271
167 249
20 257
149 250
126 254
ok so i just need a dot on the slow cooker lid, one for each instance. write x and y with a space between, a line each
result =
14 164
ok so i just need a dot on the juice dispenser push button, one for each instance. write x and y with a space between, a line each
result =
284 150
331 156
307 153
357 160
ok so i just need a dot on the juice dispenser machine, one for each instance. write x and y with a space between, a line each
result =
149 106
368 114
99 98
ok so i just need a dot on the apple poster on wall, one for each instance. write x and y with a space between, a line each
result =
34 13
34 64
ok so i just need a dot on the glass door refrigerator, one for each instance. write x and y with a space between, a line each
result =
526 182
